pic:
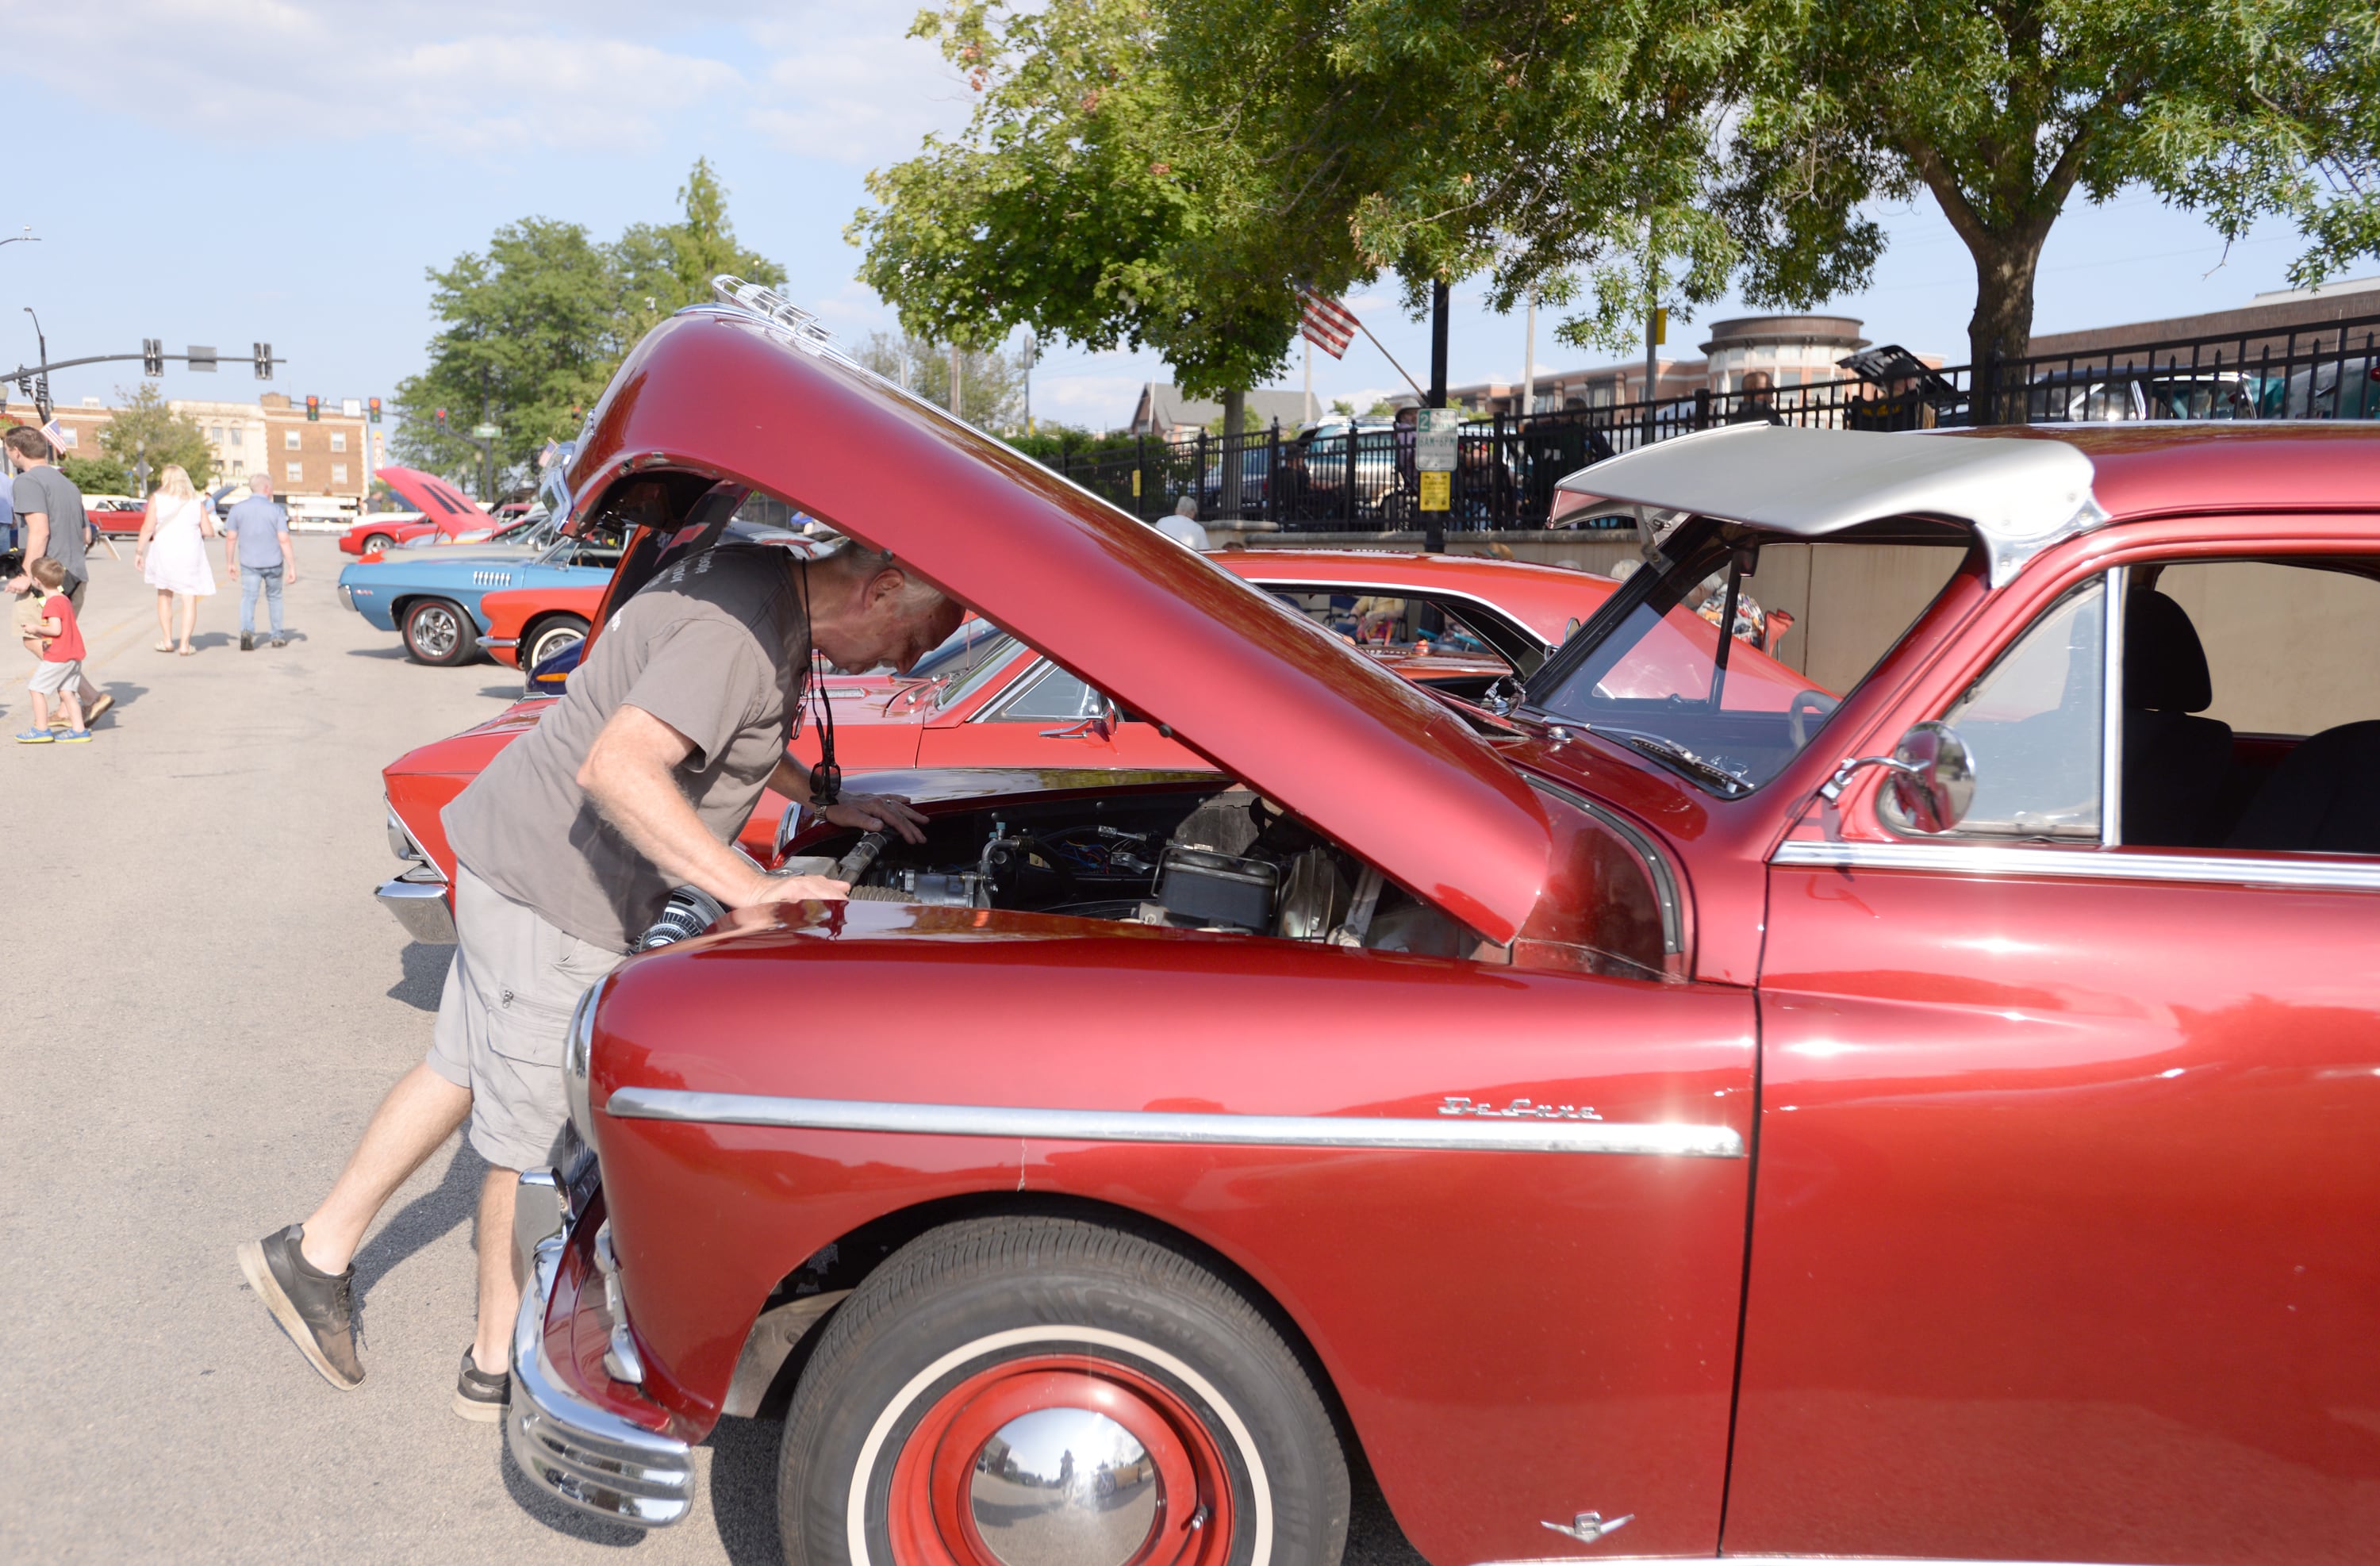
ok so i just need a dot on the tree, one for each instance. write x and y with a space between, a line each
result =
1083 203
2003 111
97 475
1663 151
144 430
665 267
534 327
991 382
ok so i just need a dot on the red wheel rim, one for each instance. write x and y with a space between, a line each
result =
930 1515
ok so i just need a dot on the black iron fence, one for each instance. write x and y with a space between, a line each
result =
1358 475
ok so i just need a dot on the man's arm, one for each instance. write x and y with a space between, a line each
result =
37 544
289 560
628 774
861 812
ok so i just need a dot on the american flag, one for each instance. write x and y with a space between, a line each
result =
1326 324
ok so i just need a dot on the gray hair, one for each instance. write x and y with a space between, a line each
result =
1188 506
259 483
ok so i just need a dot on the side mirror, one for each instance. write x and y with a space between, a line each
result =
1933 777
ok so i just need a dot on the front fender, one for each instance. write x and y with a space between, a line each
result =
1516 1335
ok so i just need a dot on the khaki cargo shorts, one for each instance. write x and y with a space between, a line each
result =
501 1022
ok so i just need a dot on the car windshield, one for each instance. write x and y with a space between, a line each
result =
1809 622
956 652
963 679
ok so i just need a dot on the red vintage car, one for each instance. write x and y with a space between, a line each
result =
541 621
1454 623
1937 1122
444 510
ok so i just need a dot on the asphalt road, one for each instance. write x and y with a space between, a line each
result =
203 1005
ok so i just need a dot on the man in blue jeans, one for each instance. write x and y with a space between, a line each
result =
256 545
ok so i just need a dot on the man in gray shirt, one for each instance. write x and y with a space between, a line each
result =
50 521
566 847
256 545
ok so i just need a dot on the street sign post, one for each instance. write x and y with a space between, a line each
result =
1436 438
485 431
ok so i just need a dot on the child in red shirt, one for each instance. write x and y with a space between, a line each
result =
60 672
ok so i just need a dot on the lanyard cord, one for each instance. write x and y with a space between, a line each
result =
826 778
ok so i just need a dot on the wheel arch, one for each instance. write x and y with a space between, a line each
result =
543 618
845 1263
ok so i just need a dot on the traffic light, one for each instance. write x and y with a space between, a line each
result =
313 409
263 361
441 421
152 356
373 404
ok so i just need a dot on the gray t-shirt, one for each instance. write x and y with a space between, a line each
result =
718 649
49 491
259 525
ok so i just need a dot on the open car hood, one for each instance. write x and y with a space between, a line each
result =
439 502
1264 693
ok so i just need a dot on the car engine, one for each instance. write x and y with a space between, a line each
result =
1225 861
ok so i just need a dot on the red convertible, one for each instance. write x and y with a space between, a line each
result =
1656 1118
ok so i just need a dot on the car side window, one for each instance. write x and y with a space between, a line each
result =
1052 693
2251 706
2031 723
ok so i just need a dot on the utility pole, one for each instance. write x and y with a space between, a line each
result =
954 382
1032 357
1529 360
1306 408
1437 292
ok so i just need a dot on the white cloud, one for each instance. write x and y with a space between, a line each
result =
859 99
1095 402
481 78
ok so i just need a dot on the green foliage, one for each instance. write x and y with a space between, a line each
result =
1055 444
2237 111
991 381
535 326
144 429
1661 151
1088 200
98 475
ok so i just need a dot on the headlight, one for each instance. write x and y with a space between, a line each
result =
578 1060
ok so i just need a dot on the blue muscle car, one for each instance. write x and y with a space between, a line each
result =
431 596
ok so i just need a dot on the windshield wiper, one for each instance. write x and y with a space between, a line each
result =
1678 755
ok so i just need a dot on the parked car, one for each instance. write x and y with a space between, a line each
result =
433 599
2108 394
529 626
988 699
439 507
1398 1093
118 515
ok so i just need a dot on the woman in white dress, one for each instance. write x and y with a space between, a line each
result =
172 554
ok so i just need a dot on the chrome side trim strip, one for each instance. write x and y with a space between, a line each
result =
1971 858
1787 1560
1449 1133
1665 879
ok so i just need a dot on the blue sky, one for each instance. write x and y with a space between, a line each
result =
231 170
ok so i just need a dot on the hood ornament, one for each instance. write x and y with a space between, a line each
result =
1589 1526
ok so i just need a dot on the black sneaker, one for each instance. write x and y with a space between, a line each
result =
316 1308
246 641
479 1396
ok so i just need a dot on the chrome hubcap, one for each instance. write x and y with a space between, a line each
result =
434 630
1063 1487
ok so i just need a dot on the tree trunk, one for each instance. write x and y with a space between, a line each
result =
2002 329
1234 441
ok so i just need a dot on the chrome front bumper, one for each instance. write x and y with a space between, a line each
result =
421 907
577 1453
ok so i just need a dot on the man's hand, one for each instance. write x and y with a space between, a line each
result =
791 889
877 812
19 584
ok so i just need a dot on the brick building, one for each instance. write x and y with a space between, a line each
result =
318 465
